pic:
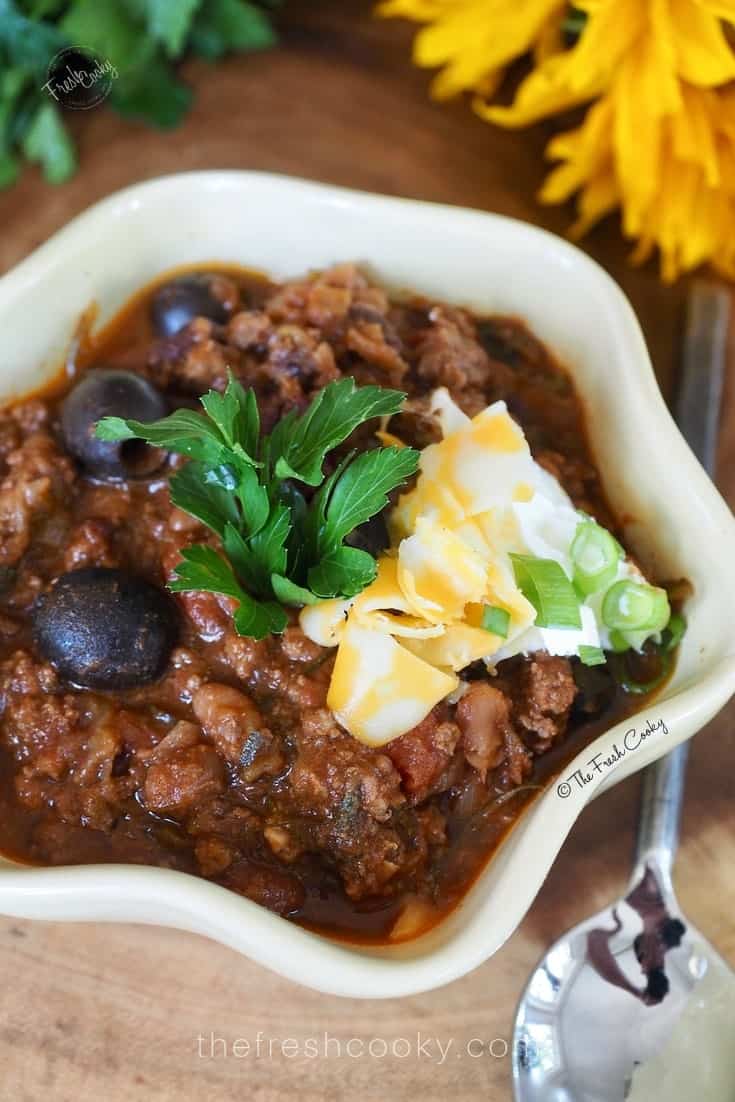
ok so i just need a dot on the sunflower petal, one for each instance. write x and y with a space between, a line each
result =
703 54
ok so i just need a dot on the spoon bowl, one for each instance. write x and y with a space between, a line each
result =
587 1032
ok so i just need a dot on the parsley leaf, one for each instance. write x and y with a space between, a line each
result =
243 487
142 39
288 593
167 21
269 544
202 569
27 42
151 91
235 413
253 498
299 444
258 619
183 431
262 555
47 142
223 25
362 489
106 27
343 572
200 498
9 169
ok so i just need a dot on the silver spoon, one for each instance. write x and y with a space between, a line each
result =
633 1003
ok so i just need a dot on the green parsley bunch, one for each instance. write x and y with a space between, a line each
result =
141 38
250 489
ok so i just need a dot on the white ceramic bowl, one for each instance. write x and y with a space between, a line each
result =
681 527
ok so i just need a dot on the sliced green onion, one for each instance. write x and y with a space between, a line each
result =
623 665
591 656
595 556
546 586
674 632
635 606
496 620
618 642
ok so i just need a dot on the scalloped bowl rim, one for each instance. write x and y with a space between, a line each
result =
676 520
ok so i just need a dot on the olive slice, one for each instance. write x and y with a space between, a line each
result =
108 393
198 295
104 628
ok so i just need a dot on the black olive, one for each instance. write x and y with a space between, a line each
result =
105 629
372 536
103 393
198 295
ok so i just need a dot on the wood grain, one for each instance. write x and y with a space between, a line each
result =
114 1012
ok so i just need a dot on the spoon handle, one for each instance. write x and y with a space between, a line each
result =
661 802
698 415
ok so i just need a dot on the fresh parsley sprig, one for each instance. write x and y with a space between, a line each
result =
279 548
142 39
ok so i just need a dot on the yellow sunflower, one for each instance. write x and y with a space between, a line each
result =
476 39
658 136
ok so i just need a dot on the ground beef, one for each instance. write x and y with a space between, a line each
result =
449 353
45 734
91 545
250 331
297 363
193 360
333 771
70 749
366 855
545 692
298 648
38 475
372 337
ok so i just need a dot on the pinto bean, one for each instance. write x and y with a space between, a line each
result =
187 777
238 730
483 715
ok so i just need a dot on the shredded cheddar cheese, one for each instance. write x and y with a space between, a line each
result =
379 689
479 496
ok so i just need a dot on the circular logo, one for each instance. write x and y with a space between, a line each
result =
78 78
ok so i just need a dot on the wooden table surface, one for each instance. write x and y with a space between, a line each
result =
114 1012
